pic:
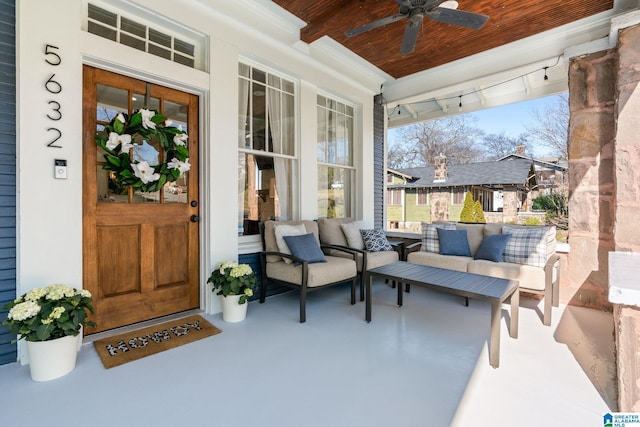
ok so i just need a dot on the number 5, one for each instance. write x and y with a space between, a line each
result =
48 50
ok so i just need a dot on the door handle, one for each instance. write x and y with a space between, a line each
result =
194 218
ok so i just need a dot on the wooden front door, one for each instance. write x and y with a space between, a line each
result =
140 250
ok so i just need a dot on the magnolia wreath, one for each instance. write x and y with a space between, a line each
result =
124 136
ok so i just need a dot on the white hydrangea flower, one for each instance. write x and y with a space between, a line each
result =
241 270
223 265
84 293
35 294
24 310
59 291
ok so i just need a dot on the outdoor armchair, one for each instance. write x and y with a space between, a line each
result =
345 233
308 266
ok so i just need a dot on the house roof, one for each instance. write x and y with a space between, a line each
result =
516 171
543 162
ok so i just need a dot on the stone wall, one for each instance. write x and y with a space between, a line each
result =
592 96
627 205
604 190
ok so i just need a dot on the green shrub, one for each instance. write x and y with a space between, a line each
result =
472 211
532 221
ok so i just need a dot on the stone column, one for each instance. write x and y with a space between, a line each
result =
509 205
439 203
627 206
592 96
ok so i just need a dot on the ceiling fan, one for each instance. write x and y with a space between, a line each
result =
414 10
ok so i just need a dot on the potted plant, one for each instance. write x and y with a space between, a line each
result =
50 320
235 284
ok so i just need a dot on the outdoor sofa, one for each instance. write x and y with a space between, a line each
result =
523 253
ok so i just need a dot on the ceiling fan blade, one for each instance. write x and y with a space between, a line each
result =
375 24
458 17
410 35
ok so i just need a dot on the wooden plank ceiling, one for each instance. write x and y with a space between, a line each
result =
438 43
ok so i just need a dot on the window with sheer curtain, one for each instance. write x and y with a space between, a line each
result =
266 147
335 158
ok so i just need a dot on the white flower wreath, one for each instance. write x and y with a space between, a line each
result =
123 135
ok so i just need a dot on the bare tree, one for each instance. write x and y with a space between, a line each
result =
551 126
416 145
500 145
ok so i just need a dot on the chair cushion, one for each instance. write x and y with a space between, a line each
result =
336 269
376 259
492 247
453 242
526 246
282 230
305 246
375 240
351 232
430 241
331 232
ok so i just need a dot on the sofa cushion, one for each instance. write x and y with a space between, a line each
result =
305 246
430 241
475 234
453 242
528 276
492 247
351 232
375 240
450 262
526 246
321 273
282 230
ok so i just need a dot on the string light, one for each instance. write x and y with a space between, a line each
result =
546 80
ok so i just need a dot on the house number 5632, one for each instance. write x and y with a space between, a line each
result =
52 86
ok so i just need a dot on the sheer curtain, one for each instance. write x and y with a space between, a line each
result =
243 120
280 165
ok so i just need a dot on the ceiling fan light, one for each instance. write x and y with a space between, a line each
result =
449 4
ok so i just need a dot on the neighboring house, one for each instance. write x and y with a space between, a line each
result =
437 193
551 174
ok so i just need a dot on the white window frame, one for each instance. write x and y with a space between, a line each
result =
294 158
350 111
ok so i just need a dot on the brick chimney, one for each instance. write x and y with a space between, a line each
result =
520 150
440 168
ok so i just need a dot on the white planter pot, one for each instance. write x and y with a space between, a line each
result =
232 311
52 359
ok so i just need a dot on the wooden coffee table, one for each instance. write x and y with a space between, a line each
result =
469 285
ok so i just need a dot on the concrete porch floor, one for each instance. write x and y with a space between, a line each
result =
425 364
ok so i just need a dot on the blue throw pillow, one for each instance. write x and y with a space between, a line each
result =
492 247
306 247
453 242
